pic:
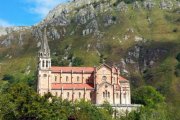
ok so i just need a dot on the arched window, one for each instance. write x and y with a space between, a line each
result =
104 95
77 78
109 94
43 63
79 94
55 78
46 63
56 93
67 94
117 95
124 95
66 78
91 94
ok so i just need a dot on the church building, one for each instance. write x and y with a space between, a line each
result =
96 84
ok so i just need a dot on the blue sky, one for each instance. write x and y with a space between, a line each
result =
25 12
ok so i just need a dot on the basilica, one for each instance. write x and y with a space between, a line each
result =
95 84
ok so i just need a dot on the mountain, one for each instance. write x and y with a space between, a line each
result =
140 37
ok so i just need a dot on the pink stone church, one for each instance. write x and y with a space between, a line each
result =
96 84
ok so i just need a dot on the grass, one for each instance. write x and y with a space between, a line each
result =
113 46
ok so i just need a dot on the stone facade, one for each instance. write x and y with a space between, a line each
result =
96 84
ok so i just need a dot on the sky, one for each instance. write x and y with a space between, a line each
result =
25 12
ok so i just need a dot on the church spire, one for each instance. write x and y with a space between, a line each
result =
45 46
44 51
44 54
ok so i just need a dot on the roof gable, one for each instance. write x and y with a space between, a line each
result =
103 65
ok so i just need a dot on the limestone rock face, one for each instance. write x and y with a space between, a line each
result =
166 4
149 4
146 57
122 6
85 15
136 5
7 30
90 28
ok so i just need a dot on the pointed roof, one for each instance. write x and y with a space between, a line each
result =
44 43
105 65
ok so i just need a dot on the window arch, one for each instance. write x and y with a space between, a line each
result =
67 94
77 78
79 94
66 78
109 94
46 63
124 95
117 95
104 95
44 75
43 63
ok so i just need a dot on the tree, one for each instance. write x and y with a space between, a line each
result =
85 110
77 61
22 102
107 107
148 96
178 57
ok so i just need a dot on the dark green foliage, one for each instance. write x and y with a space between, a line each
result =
22 102
32 81
160 112
88 111
102 59
147 96
114 18
178 57
19 101
177 70
63 63
175 30
77 61
136 80
9 78
107 107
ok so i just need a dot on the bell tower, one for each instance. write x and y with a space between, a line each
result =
44 54
44 67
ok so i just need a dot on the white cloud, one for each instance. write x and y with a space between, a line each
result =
42 7
5 23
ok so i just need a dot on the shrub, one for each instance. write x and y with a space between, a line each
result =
178 57
77 61
9 78
148 96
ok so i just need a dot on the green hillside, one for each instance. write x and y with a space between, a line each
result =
143 43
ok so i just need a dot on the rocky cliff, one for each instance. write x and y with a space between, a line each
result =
140 37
